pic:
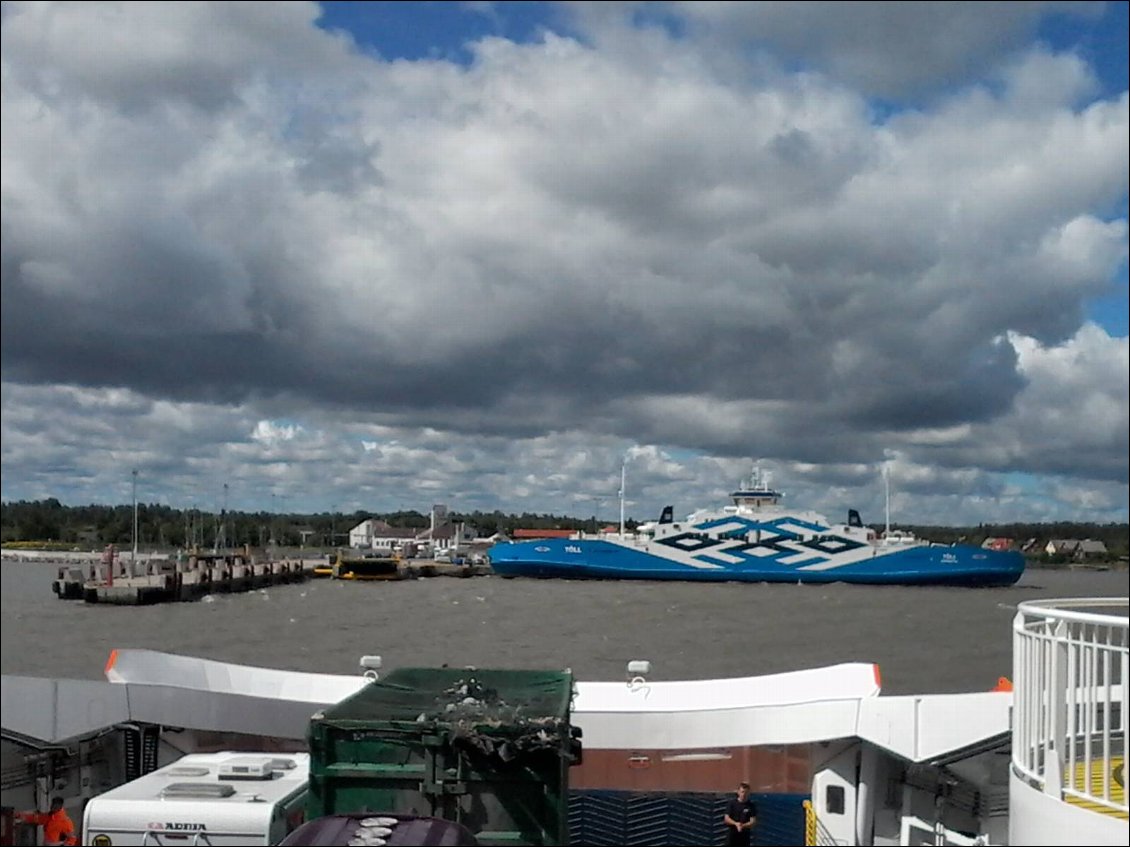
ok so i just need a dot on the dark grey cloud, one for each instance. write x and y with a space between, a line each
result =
563 247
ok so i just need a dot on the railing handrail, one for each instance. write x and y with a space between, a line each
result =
1070 673
1064 609
816 834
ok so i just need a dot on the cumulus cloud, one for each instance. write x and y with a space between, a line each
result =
884 49
286 246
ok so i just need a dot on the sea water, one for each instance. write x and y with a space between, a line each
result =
924 639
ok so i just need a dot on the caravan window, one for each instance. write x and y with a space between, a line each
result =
834 800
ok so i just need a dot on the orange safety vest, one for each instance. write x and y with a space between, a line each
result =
57 826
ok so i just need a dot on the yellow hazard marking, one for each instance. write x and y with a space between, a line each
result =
1102 774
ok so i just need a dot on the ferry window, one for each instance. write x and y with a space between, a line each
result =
834 799
894 793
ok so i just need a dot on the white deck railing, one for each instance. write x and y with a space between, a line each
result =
1069 709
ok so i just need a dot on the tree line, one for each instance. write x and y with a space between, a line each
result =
160 526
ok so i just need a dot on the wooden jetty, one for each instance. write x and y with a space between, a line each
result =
170 581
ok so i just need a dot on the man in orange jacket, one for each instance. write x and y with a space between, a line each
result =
58 828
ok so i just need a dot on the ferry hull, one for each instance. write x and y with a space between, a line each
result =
918 565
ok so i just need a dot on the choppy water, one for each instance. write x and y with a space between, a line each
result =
925 640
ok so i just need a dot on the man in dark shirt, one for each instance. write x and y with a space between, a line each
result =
741 815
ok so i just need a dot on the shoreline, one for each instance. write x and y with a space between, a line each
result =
82 557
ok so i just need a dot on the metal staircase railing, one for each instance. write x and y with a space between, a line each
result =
815 833
1070 668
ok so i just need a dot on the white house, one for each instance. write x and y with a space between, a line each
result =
373 534
1061 546
444 537
1075 547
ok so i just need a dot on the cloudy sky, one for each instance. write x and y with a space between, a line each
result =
384 255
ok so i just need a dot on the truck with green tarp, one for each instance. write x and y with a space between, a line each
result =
488 749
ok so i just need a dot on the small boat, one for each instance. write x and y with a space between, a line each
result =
756 539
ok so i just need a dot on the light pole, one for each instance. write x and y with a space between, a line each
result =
133 558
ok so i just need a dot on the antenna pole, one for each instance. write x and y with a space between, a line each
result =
887 489
623 476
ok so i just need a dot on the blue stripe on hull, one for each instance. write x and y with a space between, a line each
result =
593 559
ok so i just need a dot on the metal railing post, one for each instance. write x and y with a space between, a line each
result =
1055 691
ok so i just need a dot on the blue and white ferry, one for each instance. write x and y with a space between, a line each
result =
756 539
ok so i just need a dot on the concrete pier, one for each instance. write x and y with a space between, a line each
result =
197 575
173 581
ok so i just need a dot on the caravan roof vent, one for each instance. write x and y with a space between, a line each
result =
248 767
188 770
197 790
283 764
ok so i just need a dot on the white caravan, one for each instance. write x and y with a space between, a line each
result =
216 799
